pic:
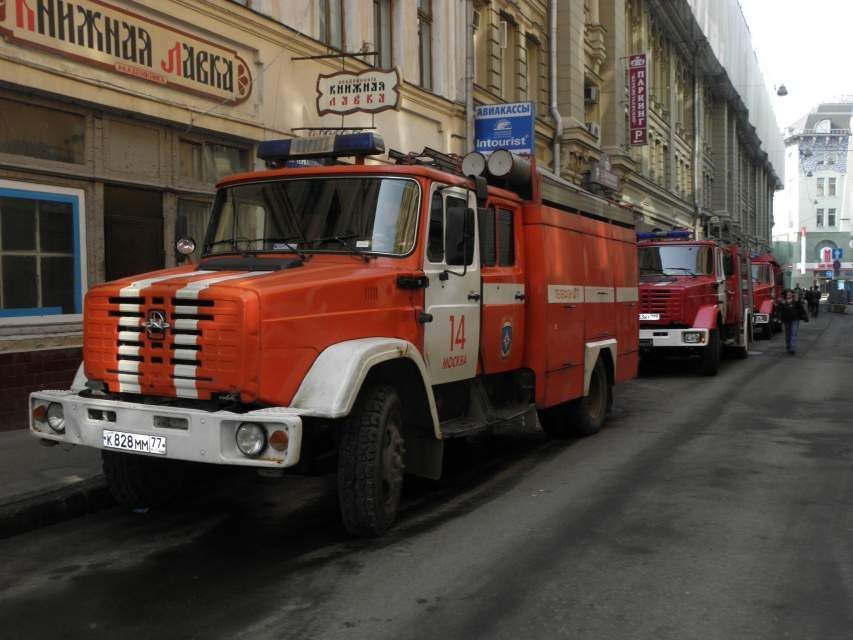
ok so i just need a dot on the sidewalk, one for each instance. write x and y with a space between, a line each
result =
42 485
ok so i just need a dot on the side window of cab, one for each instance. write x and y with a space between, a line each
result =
435 237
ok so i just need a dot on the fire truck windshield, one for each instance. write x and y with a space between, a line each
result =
307 215
761 273
676 260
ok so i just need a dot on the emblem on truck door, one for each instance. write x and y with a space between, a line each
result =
155 324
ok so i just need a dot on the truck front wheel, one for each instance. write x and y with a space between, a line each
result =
711 354
583 416
137 481
370 462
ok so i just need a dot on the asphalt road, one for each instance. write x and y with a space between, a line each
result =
707 508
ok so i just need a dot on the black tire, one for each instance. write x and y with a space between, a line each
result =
711 354
370 462
137 481
584 416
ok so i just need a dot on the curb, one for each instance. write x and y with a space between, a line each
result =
42 509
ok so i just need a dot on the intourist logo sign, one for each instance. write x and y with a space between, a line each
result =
104 35
504 126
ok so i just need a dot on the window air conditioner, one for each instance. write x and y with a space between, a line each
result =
590 94
594 128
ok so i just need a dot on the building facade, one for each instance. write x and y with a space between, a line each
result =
117 118
814 209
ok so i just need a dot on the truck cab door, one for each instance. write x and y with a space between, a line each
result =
453 297
502 341
722 284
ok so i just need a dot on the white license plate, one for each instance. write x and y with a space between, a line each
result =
135 442
649 316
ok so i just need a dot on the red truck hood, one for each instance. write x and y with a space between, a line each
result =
224 326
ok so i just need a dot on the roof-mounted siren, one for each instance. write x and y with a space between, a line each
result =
293 151
675 234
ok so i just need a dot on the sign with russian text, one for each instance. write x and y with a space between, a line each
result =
369 91
638 100
108 36
504 126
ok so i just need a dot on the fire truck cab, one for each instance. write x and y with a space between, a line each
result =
373 311
695 297
766 290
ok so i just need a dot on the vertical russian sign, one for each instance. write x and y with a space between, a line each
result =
638 92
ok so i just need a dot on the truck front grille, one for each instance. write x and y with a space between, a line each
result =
662 301
194 355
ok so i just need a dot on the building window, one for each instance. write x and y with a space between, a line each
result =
208 162
509 42
830 158
819 218
332 23
830 217
38 132
382 32
41 250
831 187
534 84
482 15
425 43
820 190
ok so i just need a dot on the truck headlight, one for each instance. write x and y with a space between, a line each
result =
693 337
251 439
56 417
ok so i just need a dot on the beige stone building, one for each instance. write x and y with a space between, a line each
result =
117 117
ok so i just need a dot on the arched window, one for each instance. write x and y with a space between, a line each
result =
824 126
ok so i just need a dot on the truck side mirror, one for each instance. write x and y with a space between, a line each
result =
459 235
481 189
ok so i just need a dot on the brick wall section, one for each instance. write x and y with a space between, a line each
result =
21 373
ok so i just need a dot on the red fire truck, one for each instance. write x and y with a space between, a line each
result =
695 297
369 310
766 289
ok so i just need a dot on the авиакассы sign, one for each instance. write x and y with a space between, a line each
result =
504 126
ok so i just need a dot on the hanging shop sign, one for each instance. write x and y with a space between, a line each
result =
601 173
504 126
369 91
104 35
638 99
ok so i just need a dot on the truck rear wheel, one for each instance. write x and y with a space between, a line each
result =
711 354
137 481
584 416
370 462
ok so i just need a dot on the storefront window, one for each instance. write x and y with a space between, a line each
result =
208 162
39 251
38 132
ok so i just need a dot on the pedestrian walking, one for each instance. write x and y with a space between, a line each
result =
809 296
816 311
792 310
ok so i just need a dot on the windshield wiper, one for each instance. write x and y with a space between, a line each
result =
685 269
285 241
342 240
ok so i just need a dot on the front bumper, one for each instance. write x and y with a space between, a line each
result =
193 434
664 337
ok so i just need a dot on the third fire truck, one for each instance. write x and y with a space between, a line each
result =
766 290
695 297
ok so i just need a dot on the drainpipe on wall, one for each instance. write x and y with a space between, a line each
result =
469 73
697 152
552 76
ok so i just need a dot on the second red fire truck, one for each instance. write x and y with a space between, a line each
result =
695 297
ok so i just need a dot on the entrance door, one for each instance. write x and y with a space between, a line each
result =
133 231
452 337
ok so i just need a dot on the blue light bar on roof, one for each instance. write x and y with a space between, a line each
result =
350 144
666 235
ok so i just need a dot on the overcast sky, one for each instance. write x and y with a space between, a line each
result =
805 45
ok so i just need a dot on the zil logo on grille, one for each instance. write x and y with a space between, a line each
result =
155 324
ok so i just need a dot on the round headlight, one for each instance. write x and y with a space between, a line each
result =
56 417
251 439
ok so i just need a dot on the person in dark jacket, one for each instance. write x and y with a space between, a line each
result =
792 310
816 296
